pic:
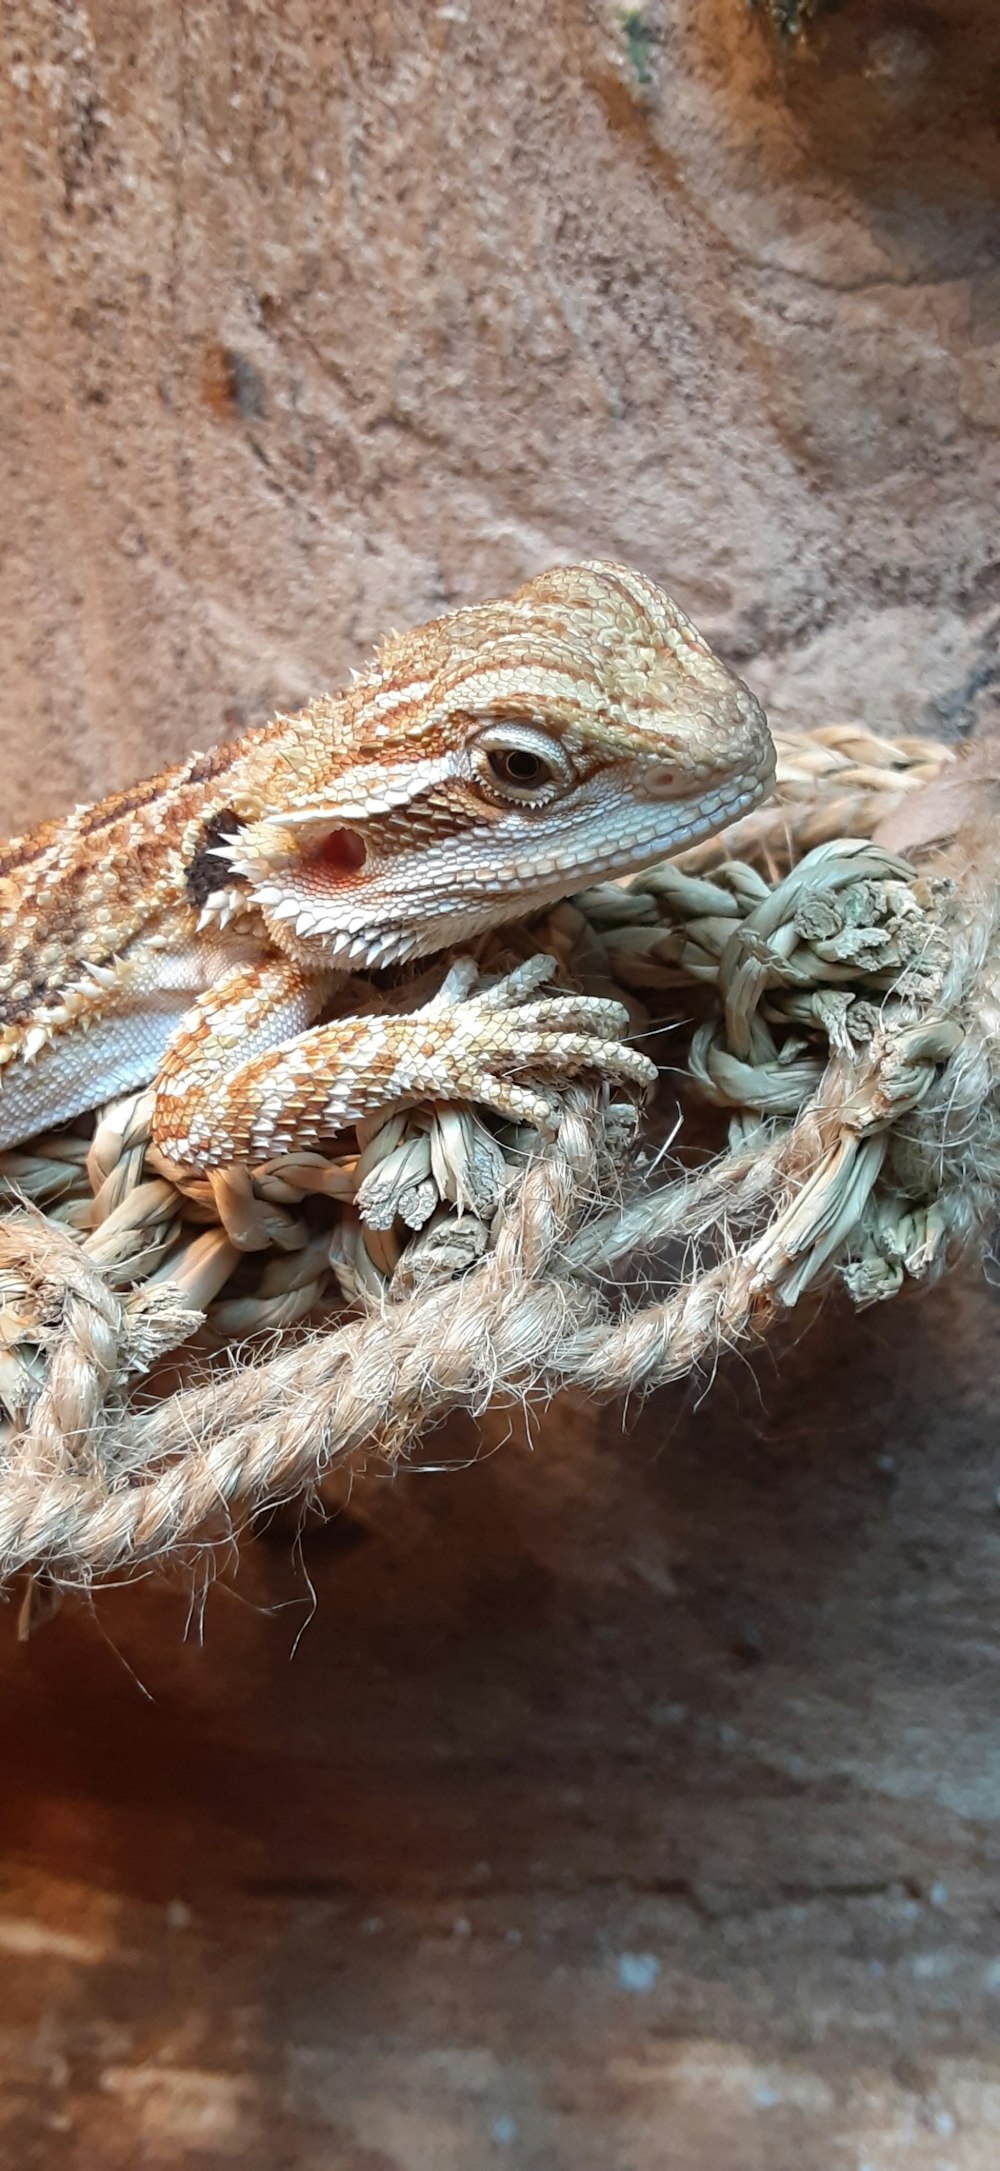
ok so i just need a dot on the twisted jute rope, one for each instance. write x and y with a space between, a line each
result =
833 1008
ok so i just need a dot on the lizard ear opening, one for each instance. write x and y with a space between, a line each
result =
342 852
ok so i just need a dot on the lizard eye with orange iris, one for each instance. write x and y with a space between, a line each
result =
516 765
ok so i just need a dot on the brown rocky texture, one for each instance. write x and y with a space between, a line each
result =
319 317
631 1805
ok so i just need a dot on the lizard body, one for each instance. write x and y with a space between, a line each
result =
192 928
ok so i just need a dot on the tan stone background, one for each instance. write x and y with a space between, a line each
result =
631 1804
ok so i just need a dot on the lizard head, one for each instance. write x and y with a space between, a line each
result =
495 760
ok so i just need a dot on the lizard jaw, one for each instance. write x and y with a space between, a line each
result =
386 907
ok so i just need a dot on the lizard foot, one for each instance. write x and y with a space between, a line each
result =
505 1044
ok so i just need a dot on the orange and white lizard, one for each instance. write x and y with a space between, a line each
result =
191 930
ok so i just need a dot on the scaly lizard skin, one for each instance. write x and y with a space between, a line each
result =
193 928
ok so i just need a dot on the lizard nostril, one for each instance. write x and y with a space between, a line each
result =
342 852
665 783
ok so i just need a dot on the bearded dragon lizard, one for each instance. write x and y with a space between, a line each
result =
192 929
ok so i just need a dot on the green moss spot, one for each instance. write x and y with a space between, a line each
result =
638 44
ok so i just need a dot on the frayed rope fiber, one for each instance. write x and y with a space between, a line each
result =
173 1359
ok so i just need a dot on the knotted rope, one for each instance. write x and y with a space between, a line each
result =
835 1012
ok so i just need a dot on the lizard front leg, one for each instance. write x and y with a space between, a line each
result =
245 1080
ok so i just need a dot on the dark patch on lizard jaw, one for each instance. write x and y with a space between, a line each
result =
209 870
36 989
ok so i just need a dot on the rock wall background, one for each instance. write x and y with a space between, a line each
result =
630 1803
320 317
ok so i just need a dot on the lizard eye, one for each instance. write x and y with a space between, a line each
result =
519 765
516 766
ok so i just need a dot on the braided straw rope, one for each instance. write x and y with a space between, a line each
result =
833 1010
